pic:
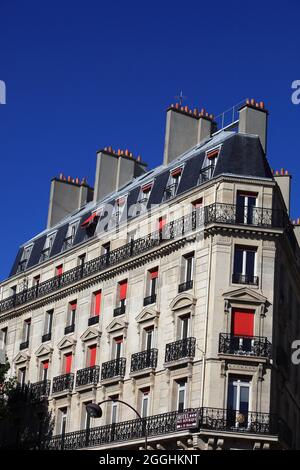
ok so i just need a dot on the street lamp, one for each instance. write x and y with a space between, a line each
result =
94 410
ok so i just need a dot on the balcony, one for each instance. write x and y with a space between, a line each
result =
24 345
144 360
219 419
87 376
151 299
46 337
119 310
248 279
63 383
69 329
182 349
93 320
185 286
40 390
244 345
113 369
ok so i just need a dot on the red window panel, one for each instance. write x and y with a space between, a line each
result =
242 322
154 273
59 270
213 154
97 303
146 188
161 223
175 173
73 305
92 355
123 290
68 363
45 364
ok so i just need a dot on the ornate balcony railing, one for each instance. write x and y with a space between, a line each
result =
40 390
151 299
185 286
144 360
119 310
46 337
184 348
113 368
197 219
24 345
87 376
69 328
248 279
63 383
93 320
244 345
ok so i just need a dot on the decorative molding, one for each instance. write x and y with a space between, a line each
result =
21 357
43 350
244 294
67 342
183 301
90 333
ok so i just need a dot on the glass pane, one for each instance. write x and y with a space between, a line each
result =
181 400
250 258
244 399
238 261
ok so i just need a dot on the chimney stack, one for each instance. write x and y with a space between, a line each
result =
67 195
283 179
253 120
185 128
114 169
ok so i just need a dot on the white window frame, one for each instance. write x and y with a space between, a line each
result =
180 388
145 399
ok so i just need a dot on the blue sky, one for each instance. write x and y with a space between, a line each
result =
84 75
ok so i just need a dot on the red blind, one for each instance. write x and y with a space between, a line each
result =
213 154
68 363
123 290
97 303
243 322
119 340
45 364
92 354
154 273
176 172
146 187
59 270
73 305
161 223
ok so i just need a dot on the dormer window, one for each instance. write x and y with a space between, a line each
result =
210 162
47 248
25 257
68 241
173 183
119 209
143 198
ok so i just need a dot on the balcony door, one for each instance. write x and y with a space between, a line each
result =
245 208
238 402
242 330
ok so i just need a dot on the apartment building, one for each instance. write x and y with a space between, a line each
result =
175 290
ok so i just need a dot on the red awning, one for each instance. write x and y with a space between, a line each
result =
213 154
146 187
89 220
176 172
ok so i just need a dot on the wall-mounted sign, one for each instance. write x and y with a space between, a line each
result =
187 420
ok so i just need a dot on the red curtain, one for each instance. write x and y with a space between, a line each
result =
243 322
92 351
154 273
97 303
68 363
123 290
45 364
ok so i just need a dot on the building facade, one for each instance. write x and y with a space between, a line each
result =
175 290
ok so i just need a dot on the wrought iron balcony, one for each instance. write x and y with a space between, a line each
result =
24 345
248 279
63 383
93 320
69 329
115 368
244 345
46 337
40 390
87 376
206 174
185 286
144 360
151 299
119 310
184 348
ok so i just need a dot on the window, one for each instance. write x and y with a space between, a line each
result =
117 347
143 198
22 375
68 241
187 272
81 259
91 355
148 338
105 250
181 395
62 420
145 399
162 222
211 161
183 326
96 303
59 270
118 210
173 183
114 410
26 330
13 290
67 363
72 313
198 204
244 265
48 322
25 257
242 322
3 338
36 280
44 369
47 247
122 292
238 401
85 417
152 277
245 207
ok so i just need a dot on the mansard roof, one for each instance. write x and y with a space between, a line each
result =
239 155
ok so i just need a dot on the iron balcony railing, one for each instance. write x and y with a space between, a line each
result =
151 299
206 174
69 328
115 368
170 191
248 279
244 345
185 286
119 310
40 390
24 345
63 383
210 419
197 219
93 320
144 360
46 337
184 348
88 376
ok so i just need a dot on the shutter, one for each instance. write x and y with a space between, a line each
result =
190 173
68 363
36 251
97 303
243 322
92 354
158 189
59 239
14 268
81 232
123 290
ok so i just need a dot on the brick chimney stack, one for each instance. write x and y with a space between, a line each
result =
283 179
253 119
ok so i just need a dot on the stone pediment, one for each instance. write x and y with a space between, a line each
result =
116 325
43 350
182 301
90 333
147 314
21 357
245 294
66 342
